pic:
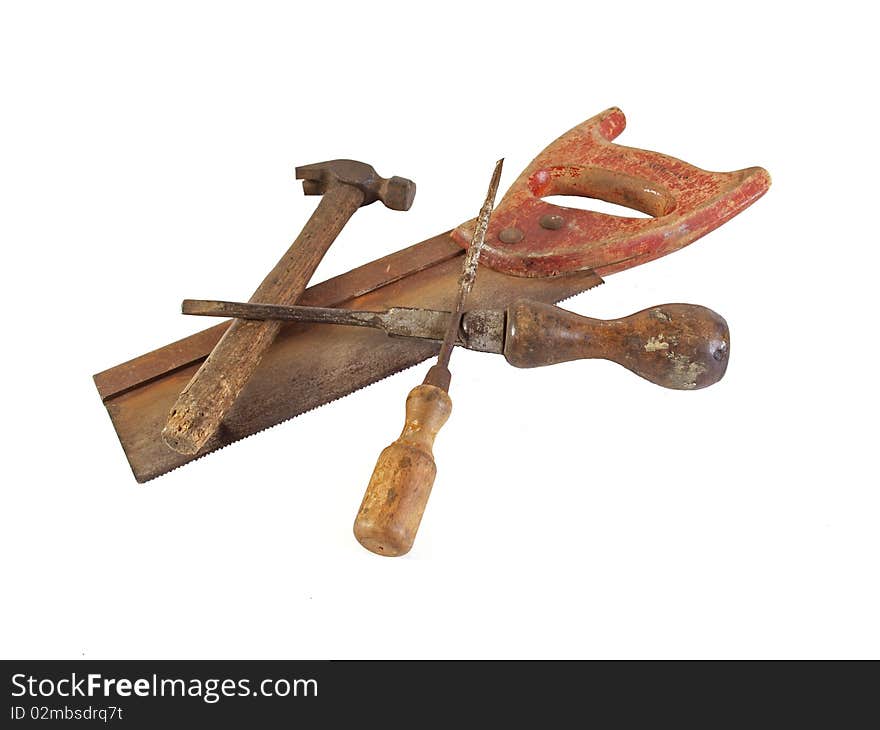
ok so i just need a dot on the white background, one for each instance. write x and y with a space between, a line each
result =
147 155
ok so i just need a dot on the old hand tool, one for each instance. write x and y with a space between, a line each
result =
345 186
398 492
679 346
533 249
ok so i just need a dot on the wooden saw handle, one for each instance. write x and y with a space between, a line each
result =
680 346
398 492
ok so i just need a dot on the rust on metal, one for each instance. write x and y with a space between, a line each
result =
439 374
427 324
333 292
310 365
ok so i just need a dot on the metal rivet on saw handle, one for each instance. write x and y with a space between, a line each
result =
510 235
551 222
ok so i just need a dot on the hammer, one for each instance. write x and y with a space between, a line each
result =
345 185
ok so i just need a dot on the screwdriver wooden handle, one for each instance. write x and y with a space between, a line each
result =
680 346
398 492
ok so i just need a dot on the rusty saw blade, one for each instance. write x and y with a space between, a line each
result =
310 365
547 258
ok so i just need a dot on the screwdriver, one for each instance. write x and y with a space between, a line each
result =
398 492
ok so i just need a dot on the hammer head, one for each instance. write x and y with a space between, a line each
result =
397 192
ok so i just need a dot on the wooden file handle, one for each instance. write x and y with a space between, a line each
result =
395 500
680 346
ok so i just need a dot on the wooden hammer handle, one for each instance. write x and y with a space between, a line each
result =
680 346
398 492
204 402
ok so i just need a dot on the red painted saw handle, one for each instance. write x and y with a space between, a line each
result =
530 237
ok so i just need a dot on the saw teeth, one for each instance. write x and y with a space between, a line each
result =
326 403
275 425
132 406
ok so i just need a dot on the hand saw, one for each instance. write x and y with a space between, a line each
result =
533 250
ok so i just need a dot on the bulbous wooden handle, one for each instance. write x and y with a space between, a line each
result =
680 346
392 508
